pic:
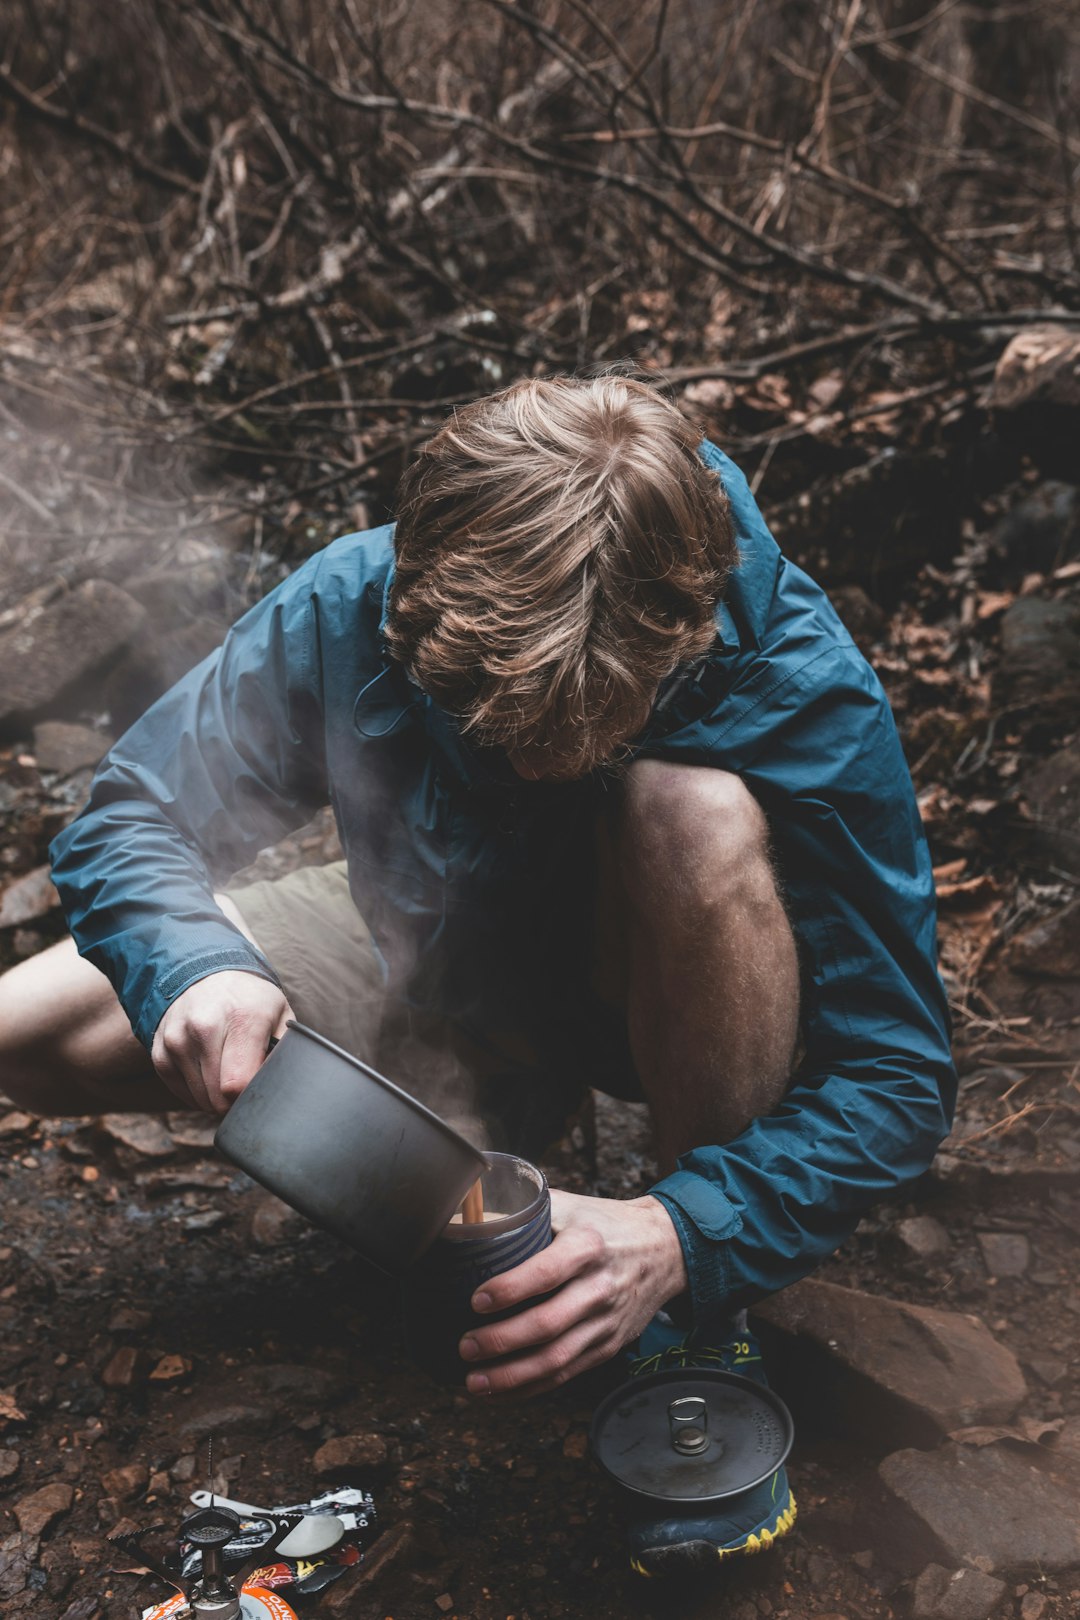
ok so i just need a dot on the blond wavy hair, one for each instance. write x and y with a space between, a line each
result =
560 549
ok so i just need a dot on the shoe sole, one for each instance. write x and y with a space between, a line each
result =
688 1557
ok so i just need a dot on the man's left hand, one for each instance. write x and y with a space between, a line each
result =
609 1269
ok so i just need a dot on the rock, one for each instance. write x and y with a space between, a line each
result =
1032 1605
1051 1371
9 1463
954 1594
41 1509
273 1222
1039 367
1052 796
1040 658
224 1412
17 1554
59 648
258 1398
130 1319
15 1123
919 1372
281 1379
63 747
1051 948
83 1608
999 1506
920 1237
349 1454
27 898
1005 1254
122 1483
444 1603
123 1368
393 1553
862 618
1041 531
192 583
144 1134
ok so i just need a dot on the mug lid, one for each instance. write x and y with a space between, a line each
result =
691 1434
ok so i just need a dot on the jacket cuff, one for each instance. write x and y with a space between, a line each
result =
705 1220
239 958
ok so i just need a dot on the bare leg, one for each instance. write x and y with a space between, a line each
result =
712 987
66 1046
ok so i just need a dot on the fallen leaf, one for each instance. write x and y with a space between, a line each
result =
1027 1431
169 1368
989 603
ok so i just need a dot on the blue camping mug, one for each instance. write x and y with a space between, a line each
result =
438 1289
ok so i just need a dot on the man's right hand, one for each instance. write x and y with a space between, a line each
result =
214 1037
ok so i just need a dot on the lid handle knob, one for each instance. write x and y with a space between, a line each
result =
689 1420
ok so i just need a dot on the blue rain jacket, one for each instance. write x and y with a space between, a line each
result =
471 874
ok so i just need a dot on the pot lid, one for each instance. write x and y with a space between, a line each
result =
692 1434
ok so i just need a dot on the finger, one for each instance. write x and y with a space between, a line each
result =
551 1366
176 1059
568 1255
279 1027
574 1303
242 1054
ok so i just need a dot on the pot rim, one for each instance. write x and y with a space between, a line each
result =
388 1085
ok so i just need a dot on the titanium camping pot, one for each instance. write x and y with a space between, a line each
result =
349 1149
688 1442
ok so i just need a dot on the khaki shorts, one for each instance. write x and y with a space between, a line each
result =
308 927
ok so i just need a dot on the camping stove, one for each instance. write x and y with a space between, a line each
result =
213 1593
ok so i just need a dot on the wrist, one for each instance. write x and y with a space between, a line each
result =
666 1246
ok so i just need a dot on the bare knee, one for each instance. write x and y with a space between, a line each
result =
694 833
60 1025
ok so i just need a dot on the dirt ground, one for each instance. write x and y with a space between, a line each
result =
151 1297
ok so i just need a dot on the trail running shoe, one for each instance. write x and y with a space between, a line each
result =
745 1524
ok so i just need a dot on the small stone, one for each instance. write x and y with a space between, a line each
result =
863 1560
37 1512
84 1608
125 1482
9 1464
159 1485
170 1368
954 1594
1049 1370
1005 1254
14 1124
350 1453
65 748
921 1237
220 1413
183 1469
444 1603
1032 1605
17 1554
28 898
1051 948
122 1368
130 1319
